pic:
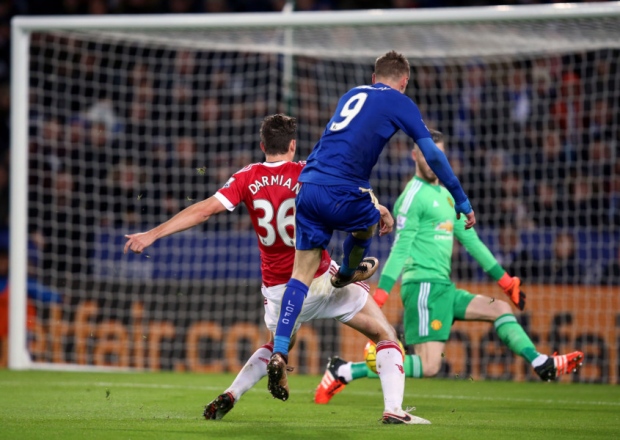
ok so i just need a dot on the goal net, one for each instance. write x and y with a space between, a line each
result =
128 120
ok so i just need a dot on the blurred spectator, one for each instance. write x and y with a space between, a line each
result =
102 111
512 255
584 207
425 93
512 200
67 244
552 161
100 149
599 121
567 110
548 209
185 182
519 96
448 97
602 82
180 93
563 267
125 187
597 158
472 101
611 273
545 74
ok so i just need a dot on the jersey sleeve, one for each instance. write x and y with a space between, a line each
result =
407 226
231 194
477 249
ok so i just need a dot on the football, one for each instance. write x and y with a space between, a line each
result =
370 355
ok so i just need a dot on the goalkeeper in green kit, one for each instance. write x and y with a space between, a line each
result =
426 224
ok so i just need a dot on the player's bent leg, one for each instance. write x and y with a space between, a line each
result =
427 359
484 308
253 371
368 320
372 323
306 264
356 266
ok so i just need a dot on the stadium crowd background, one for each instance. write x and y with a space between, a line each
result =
522 169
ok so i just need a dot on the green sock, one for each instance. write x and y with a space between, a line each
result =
413 366
359 370
512 334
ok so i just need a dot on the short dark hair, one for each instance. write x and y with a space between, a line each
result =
436 136
392 65
276 133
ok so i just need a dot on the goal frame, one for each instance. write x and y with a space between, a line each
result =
22 28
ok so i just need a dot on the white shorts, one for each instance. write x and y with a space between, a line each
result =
323 301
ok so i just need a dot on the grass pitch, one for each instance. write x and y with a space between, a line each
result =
53 405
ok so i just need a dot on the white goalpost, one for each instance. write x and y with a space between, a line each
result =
118 122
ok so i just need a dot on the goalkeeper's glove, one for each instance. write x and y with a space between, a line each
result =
380 296
512 288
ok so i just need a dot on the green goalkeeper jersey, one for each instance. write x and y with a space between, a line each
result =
426 224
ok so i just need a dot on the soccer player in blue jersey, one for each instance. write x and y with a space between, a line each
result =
336 195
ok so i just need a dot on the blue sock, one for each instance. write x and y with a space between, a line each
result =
355 249
292 301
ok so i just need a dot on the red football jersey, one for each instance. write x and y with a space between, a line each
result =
268 189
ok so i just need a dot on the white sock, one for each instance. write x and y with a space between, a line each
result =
253 371
392 374
539 360
345 372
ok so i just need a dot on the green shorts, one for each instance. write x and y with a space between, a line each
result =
430 310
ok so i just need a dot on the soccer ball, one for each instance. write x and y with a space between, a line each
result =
370 355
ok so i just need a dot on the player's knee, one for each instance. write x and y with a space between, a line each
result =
365 235
384 333
502 308
431 367
390 333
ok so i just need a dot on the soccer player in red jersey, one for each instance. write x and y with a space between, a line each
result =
268 190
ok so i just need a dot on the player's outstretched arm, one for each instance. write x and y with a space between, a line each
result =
188 218
409 119
438 162
477 249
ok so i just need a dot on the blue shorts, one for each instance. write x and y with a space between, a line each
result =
320 210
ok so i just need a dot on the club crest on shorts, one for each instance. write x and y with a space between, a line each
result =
436 324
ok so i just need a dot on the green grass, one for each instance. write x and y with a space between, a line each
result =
53 405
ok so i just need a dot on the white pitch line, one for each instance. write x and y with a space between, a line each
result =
309 391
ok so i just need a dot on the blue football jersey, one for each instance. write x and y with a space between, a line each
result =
364 121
